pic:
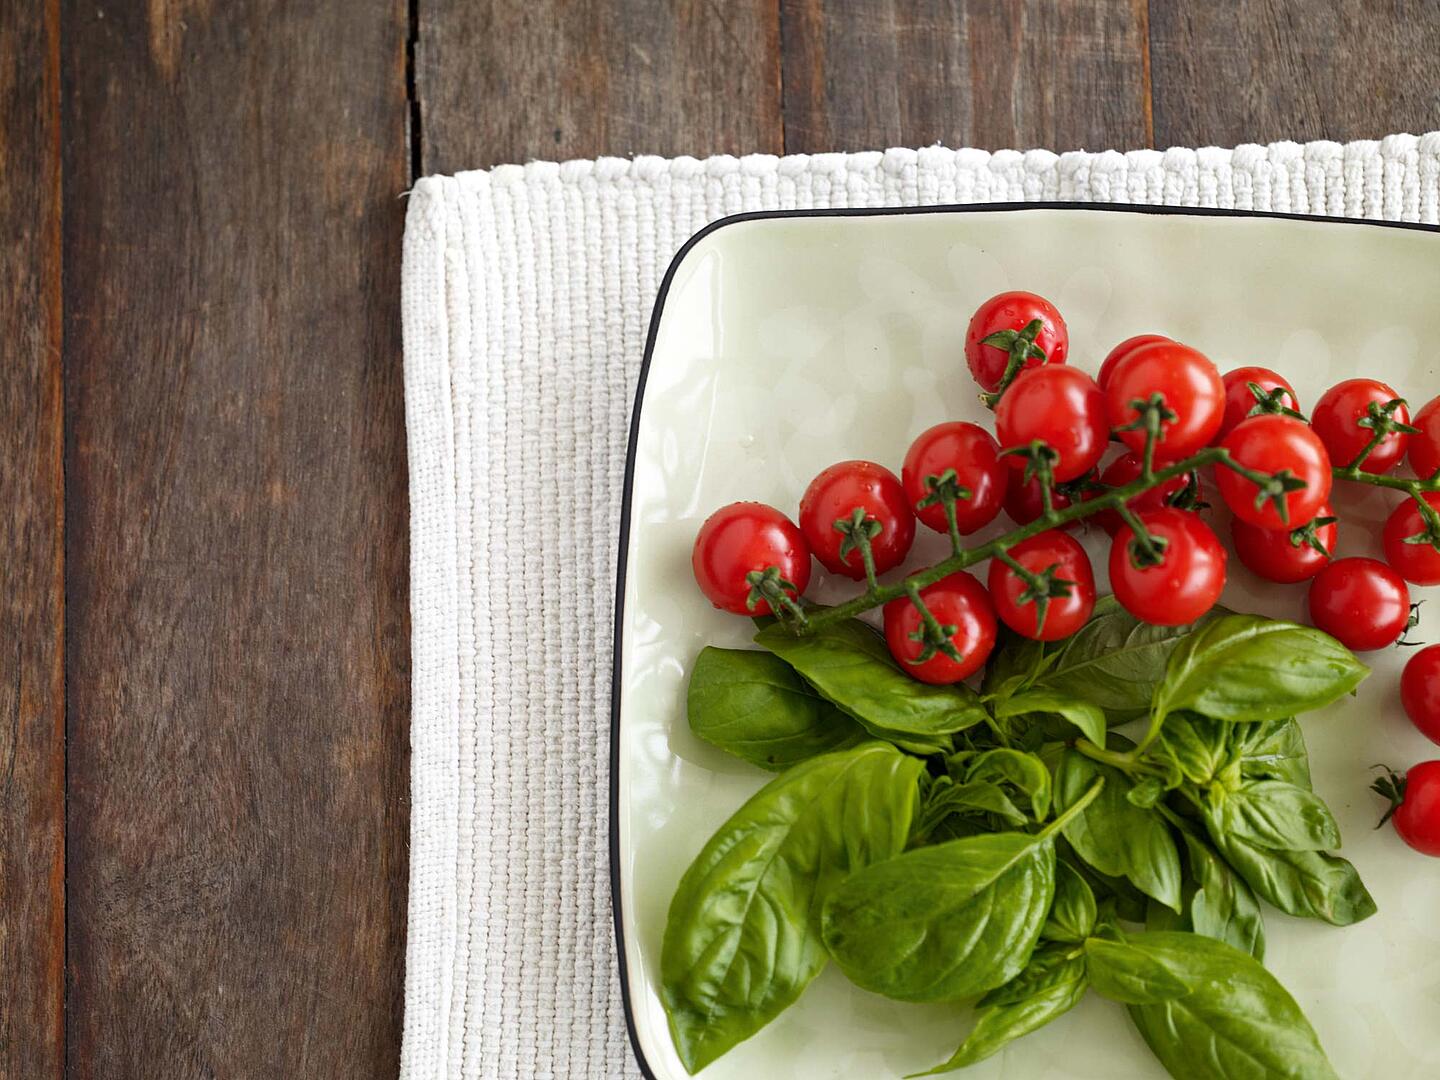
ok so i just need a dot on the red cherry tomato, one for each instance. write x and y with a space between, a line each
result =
957 601
1240 400
1023 501
1272 444
1012 311
1425 447
1060 406
1336 421
1192 389
973 454
745 538
835 494
1417 563
1362 603
1420 691
1130 344
1123 470
1417 817
1285 555
1184 585
1063 614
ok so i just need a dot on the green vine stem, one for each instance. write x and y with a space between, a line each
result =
1073 810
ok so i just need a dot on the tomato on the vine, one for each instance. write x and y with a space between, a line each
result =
1129 345
1360 602
1190 385
1425 443
744 538
1420 691
1062 556
835 495
1337 417
1013 311
973 454
1418 563
1024 501
1187 580
1240 400
1060 406
1124 470
1287 555
962 606
1273 444
1414 805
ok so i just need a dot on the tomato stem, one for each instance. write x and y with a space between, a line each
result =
1074 810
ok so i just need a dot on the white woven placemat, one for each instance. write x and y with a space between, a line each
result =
526 296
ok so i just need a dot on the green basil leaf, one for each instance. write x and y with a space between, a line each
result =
1026 773
1273 814
1276 751
947 799
742 939
753 705
1160 917
1249 668
1308 884
849 664
1236 1023
1015 662
1114 661
1115 836
1051 985
1131 975
1072 914
1222 907
1198 747
943 923
1088 718
1146 793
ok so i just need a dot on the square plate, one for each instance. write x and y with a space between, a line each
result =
783 343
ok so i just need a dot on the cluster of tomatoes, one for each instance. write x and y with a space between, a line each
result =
1053 424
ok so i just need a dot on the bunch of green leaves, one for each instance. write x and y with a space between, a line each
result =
1009 848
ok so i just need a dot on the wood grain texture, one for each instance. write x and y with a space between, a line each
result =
1260 70
32 588
236 537
867 74
512 81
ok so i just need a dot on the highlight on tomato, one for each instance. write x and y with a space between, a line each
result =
1125 347
744 551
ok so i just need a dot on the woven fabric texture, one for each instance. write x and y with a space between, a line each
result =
526 297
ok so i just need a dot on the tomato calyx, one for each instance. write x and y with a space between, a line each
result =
1380 419
1270 487
1272 402
1403 642
1040 586
1145 548
1150 417
1188 497
945 491
769 585
1040 460
1020 345
1308 535
932 635
1430 534
1391 787
858 530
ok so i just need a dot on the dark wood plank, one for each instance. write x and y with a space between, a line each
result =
236 541
519 80
32 587
1261 70
867 74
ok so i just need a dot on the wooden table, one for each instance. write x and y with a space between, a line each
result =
203 622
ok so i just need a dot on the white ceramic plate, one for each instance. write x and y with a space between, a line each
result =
783 343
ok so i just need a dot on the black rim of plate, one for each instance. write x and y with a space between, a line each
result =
628 490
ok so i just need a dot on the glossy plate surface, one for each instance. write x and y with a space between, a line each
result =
786 343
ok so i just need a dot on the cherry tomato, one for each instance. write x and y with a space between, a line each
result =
1420 691
1123 470
1286 555
1362 603
974 455
1187 581
745 538
1127 346
1271 444
1012 311
1336 421
1240 400
1415 805
1192 389
958 601
1425 446
1024 504
835 494
1063 614
1060 406
1417 563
